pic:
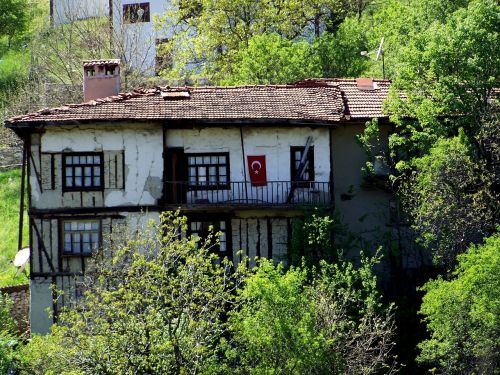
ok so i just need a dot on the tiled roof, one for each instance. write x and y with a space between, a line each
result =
88 63
359 102
311 100
302 103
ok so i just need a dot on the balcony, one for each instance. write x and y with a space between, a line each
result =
275 194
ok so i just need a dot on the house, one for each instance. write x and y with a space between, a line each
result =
245 159
136 36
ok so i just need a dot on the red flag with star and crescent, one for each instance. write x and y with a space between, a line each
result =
257 170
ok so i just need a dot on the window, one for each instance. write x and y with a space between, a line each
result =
81 237
133 13
202 230
208 171
296 154
83 171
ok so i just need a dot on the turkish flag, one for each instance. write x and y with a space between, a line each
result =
257 170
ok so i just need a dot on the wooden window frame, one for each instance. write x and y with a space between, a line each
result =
215 221
131 9
92 187
214 186
63 231
310 168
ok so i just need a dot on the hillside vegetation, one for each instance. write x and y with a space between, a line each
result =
10 185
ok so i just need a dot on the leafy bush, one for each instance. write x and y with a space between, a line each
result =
463 314
158 302
305 321
8 337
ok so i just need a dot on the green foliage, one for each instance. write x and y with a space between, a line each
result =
462 314
271 58
8 338
158 302
448 73
302 321
154 304
10 183
339 54
14 18
212 38
451 199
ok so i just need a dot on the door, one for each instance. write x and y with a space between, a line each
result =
175 176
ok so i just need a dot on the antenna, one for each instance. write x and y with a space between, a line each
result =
380 50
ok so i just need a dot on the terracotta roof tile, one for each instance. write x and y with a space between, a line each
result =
286 102
359 102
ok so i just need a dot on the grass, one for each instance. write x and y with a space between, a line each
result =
10 187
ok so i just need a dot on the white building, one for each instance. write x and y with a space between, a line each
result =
204 149
136 26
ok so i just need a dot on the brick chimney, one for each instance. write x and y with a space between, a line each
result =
101 78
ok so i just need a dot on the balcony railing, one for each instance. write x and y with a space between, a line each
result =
274 193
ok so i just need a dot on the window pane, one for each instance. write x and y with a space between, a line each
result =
74 225
97 181
68 160
90 159
86 237
206 160
78 171
81 226
222 160
95 225
87 171
88 181
223 170
214 160
223 179
88 226
67 226
86 247
212 171
202 171
67 247
199 160
222 225
97 171
69 181
191 160
67 237
192 171
97 159
69 171
95 238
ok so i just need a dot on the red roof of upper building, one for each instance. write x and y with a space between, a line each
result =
315 101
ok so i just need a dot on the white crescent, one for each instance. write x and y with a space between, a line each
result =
256 162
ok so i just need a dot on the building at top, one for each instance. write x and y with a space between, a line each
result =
247 160
135 32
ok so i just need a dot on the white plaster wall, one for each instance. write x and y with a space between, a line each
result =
139 38
66 11
143 161
274 143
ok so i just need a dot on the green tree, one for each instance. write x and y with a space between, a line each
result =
462 314
155 303
451 199
300 321
14 18
271 58
209 35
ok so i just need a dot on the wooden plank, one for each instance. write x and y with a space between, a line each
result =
46 171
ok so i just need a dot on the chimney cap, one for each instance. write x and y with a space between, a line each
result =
108 62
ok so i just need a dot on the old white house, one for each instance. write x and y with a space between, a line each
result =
244 159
